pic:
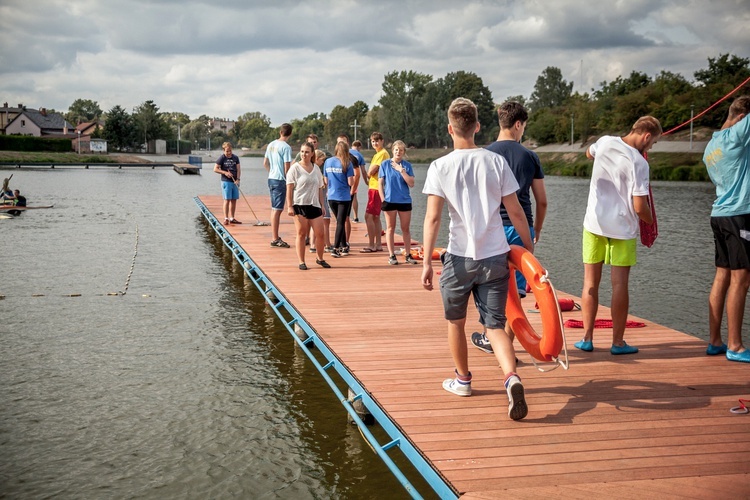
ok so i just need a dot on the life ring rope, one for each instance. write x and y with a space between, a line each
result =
556 360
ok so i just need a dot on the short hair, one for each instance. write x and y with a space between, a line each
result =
224 145
740 106
16 192
343 136
511 112
286 130
314 137
647 124
463 116
402 144
376 136
357 144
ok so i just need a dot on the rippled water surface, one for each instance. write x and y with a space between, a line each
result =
187 386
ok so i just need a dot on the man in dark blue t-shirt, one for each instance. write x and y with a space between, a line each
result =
228 165
527 168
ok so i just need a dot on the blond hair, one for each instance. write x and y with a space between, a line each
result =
463 116
647 124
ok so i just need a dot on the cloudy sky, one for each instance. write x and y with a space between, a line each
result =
289 59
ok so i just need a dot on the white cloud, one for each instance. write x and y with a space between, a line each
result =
288 60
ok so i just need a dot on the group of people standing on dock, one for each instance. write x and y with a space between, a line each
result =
316 185
488 194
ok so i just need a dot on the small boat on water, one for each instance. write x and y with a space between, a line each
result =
7 208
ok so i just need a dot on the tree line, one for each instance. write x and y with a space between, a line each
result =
413 107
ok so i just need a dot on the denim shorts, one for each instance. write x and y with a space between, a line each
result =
486 280
230 190
278 193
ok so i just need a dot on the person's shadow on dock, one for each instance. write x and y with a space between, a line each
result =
636 397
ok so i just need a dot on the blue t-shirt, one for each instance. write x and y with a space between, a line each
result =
338 185
278 152
727 159
395 187
358 155
229 164
526 167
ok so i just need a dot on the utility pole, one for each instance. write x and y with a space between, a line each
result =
178 140
355 127
571 128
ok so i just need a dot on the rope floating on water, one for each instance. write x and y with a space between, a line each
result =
132 266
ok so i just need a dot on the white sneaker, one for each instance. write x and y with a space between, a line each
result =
456 387
517 408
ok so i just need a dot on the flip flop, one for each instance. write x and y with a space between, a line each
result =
367 250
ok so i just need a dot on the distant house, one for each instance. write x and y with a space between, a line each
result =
40 123
7 114
89 128
221 124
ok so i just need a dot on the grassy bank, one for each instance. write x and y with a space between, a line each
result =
664 166
65 158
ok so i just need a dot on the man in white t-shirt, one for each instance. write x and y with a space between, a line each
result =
474 182
618 197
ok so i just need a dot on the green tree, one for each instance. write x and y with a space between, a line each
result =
149 123
196 131
550 90
727 68
118 129
341 119
82 111
313 123
470 86
252 129
401 92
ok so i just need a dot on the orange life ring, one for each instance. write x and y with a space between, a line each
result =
417 253
543 347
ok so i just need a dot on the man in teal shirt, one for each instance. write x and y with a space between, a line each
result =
277 161
727 158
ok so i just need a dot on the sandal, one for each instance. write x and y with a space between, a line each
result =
367 250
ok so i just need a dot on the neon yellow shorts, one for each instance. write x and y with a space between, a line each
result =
611 251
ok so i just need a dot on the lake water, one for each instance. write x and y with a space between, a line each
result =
187 386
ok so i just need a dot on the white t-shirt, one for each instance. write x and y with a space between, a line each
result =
473 183
620 172
306 185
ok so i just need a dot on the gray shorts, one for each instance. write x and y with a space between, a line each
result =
486 280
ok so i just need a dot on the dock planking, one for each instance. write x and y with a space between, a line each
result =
656 423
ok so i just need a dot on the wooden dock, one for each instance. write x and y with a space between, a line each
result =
651 425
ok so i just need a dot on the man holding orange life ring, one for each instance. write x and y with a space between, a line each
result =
527 169
473 182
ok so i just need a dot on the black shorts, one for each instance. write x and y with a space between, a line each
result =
307 211
400 207
732 241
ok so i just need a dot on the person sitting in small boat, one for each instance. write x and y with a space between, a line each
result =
18 200
7 198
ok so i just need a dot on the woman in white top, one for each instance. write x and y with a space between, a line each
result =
305 199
